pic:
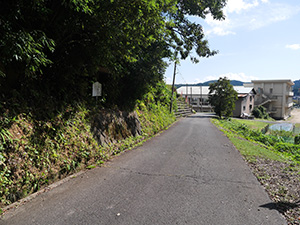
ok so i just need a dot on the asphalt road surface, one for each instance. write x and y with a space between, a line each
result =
189 174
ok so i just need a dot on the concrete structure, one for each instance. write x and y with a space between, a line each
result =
275 95
197 96
245 103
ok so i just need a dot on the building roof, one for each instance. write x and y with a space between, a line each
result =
194 90
290 82
243 90
204 90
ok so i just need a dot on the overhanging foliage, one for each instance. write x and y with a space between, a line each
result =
68 44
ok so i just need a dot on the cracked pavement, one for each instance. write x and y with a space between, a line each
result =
189 174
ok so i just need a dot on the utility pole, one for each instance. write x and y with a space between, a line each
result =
171 105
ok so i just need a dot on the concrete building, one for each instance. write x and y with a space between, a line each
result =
245 103
276 96
197 96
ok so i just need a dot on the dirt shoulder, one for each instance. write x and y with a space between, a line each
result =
281 181
295 116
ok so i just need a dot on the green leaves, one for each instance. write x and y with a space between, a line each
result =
185 35
222 97
260 112
60 47
27 48
104 30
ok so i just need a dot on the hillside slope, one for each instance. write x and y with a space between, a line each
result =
296 88
36 152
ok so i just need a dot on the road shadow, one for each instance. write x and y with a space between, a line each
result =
281 206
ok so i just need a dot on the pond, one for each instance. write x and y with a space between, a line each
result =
282 126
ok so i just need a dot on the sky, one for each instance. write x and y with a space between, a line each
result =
258 40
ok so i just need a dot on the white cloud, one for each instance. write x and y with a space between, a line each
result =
250 15
217 27
220 31
233 76
293 47
270 14
238 5
225 27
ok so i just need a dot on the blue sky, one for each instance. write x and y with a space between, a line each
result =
259 39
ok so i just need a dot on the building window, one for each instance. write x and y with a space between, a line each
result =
250 98
250 107
271 90
244 108
260 90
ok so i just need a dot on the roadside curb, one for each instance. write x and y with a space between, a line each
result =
32 196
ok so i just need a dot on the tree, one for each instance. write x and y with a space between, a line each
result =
260 112
68 44
222 97
296 88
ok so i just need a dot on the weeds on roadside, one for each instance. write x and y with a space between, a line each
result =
278 141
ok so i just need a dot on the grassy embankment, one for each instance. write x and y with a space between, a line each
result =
249 138
35 153
274 160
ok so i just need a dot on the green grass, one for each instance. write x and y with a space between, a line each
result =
253 124
252 150
249 149
261 152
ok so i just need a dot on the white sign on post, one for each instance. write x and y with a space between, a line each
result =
97 89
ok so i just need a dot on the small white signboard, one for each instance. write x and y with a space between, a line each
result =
97 89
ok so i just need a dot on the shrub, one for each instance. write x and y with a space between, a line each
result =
297 140
254 135
260 112
287 147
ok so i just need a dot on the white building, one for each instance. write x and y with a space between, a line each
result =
245 103
275 95
197 96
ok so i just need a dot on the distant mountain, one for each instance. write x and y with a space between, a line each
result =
233 82
296 88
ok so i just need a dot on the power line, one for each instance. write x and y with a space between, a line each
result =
178 72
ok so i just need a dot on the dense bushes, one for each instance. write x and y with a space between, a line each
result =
287 147
153 110
254 135
297 140
39 152
260 112
67 45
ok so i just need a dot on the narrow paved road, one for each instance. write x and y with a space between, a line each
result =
189 174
